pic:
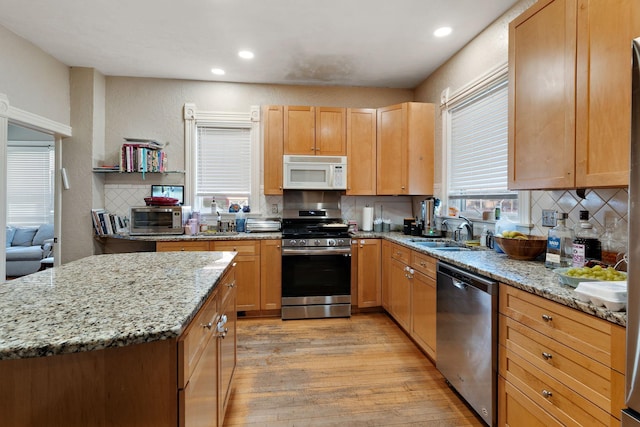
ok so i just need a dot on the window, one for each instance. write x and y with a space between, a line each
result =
222 153
30 184
476 132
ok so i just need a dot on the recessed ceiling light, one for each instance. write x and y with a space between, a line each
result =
217 71
442 32
245 54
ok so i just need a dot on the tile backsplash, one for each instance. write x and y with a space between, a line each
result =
604 206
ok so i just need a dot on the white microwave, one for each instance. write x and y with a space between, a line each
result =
315 172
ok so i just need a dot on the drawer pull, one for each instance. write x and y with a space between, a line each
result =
547 318
546 356
547 393
231 284
222 331
423 264
208 325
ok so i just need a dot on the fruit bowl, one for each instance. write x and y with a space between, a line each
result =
525 248
571 276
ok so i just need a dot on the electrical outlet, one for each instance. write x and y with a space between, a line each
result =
274 208
549 218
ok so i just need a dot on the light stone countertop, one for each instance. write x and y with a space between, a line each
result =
106 301
530 276
199 236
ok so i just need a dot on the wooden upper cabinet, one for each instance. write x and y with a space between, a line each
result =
405 141
542 96
603 108
569 94
299 130
361 151
315 131
331 135
273 119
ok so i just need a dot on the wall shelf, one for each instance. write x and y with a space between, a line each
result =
102 170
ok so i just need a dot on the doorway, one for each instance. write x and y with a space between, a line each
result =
30 200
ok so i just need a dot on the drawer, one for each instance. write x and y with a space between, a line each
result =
424 264
193 340
590 379
401 253
202 245
514 407
552 396
580 331
246 247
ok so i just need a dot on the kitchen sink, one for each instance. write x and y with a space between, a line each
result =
440 245
451 248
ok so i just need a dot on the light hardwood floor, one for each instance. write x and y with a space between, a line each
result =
361 371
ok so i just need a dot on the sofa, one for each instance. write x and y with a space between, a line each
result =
26 247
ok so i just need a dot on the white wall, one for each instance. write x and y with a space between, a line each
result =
33 80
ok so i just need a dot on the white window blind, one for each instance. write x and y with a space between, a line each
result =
479 144
223 161
30 184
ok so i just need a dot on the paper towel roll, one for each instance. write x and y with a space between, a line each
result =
367 218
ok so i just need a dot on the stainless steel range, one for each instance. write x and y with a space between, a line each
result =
316 256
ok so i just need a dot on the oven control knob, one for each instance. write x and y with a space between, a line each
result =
316 242
331 242
302 242
292 242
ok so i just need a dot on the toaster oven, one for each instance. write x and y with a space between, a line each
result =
156 220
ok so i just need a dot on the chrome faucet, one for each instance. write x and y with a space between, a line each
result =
468 225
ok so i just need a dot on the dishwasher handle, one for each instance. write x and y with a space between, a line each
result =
467 278
459 284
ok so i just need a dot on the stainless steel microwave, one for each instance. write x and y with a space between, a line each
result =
152 220
315 172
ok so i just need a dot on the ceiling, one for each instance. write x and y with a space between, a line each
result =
373 43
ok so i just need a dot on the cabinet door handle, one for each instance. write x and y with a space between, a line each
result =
277 246
546 355
547 318
231 284
208 325
547 393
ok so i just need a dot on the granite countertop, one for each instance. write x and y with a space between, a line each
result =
106 301
530 276
199 236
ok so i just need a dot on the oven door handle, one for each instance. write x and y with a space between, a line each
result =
316 251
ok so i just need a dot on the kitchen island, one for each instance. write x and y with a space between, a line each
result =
110 339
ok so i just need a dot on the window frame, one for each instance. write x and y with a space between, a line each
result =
47 149
194 118
448 101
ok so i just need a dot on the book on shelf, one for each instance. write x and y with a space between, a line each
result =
142 159
105 223
151 144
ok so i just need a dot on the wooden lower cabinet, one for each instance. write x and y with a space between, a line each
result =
423 312
409 293
386 249
199 245
517 410
247 270
400 293
368 271
564 365
271 274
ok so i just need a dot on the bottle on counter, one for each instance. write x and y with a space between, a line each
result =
586 244
613 243
560 244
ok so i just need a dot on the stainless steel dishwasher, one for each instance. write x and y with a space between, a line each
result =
467 337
